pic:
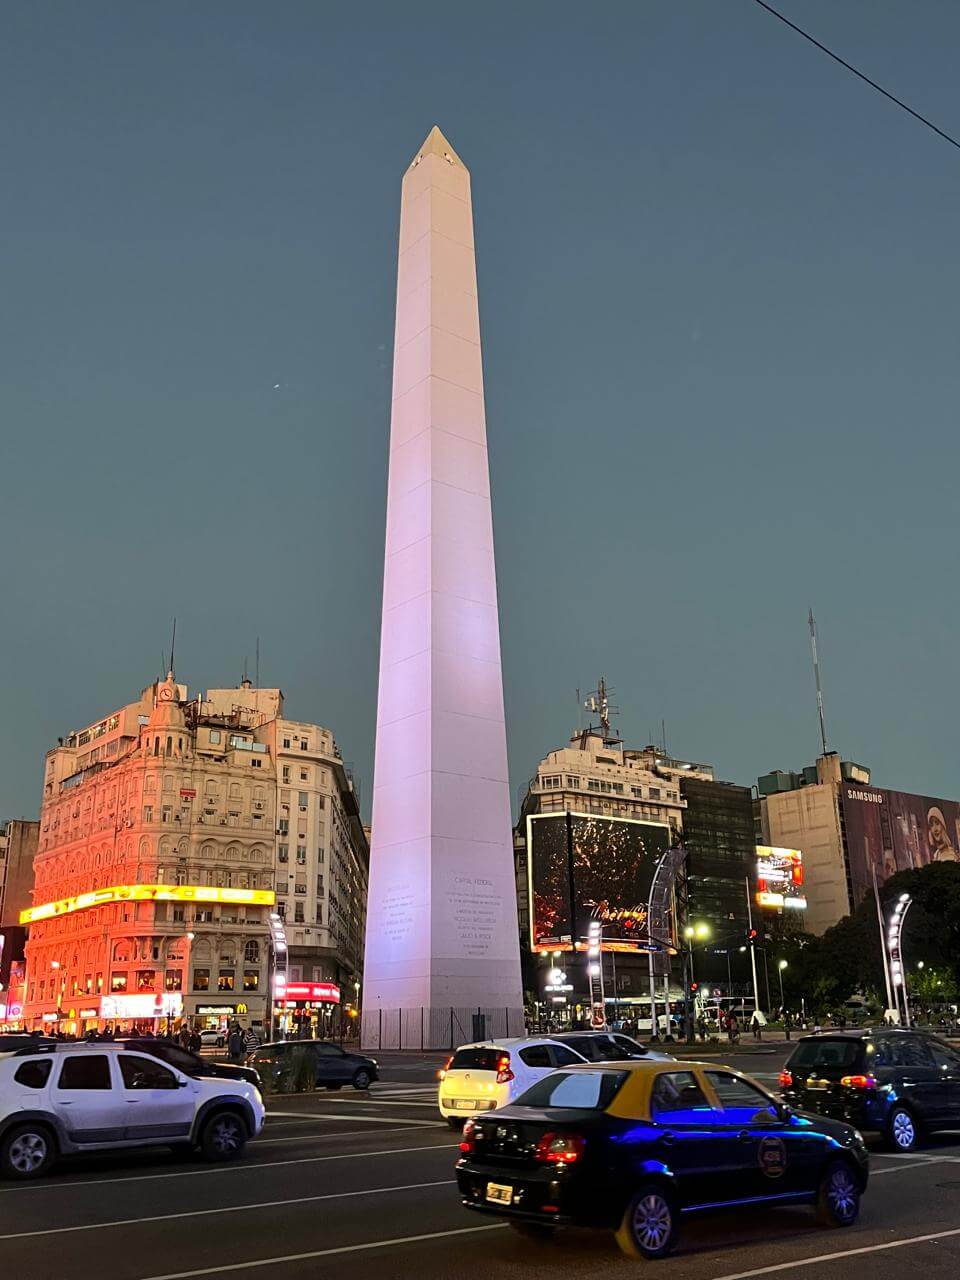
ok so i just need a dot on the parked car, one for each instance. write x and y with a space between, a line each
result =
610 1046
72 1098
898 1083
492 1073
174 1055
333 1067
212 1039
636 1147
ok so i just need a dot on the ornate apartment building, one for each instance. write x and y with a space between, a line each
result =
154 874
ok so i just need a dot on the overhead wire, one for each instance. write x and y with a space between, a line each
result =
849 67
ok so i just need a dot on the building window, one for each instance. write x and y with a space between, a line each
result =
286 743
204 917
654 793
225 980
286 773
303 744
283 853
146 979
255 763
298 913
281 886
201 979
148 813
251 952
174 980
251 980
320 855
118 982
282 910
215 737
283 826
302 854
99 981
304 775
302 800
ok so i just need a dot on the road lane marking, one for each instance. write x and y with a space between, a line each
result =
228 1168
799 1262
332 1137
418 1124
328 1253
231 1208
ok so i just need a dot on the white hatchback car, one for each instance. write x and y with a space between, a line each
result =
492 1073
70 1098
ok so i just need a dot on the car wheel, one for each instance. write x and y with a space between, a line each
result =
224 1137
901 1130
362 1079
27 1151
649 1228
533 1230
838 1200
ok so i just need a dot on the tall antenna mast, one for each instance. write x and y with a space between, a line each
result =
816 674
257 668
173 646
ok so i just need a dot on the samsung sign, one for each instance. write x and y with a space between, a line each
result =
871 797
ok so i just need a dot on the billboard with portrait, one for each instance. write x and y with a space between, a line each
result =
895 831
601 868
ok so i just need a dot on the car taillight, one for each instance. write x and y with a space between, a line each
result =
504 1074
859 1082
560 1148
785 1079
441 1074
468 1142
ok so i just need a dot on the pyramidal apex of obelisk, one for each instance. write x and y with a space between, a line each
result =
442 938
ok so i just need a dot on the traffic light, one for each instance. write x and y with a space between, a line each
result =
752 936
694 988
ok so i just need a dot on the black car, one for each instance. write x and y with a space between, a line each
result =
330 1066
189 1063
898 1083
12 1041
635 1147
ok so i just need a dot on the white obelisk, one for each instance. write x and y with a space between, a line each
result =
441 914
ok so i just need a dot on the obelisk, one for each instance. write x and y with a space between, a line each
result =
442 939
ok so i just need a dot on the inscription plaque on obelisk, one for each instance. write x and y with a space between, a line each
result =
442 938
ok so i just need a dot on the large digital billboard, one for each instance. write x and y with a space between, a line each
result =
895 831
780 878
581 867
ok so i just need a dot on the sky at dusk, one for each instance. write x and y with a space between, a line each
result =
719 299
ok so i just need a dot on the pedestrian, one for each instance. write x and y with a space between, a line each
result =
733 1028
251 1043
184 1036
235 1043
756 1026
702 1027
195 1041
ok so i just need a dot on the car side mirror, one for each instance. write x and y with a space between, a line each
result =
784 1111
182 1084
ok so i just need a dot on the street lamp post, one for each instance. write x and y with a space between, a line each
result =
894 951
783 1007
691 933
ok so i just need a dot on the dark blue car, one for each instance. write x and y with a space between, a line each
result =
635 1147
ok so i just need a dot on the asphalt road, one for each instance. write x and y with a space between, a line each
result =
347 1184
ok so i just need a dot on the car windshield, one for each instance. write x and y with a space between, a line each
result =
581 1090
477 1059
596 1048
825 1053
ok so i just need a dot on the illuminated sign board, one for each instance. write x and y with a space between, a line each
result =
583 868
325 992
168 1004
148 893
780 878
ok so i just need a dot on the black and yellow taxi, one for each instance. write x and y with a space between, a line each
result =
636 1146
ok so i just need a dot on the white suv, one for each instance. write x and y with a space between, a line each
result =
491 1074
66 1099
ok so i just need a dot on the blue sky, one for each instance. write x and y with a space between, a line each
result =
719 299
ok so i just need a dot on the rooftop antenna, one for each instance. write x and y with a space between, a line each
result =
599 703
816 674
173 646
663 736
244 680
257 667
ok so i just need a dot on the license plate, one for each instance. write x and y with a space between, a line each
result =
499 1193
465 1104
